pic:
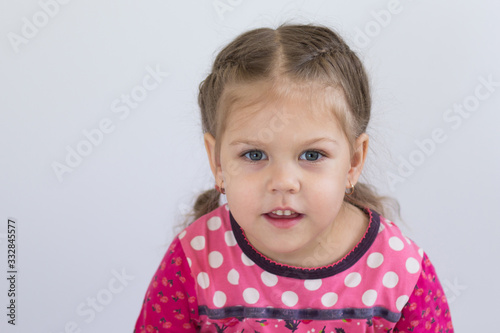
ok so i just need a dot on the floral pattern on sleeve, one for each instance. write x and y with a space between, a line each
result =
427 309
170 303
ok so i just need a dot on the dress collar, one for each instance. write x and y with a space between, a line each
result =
309 273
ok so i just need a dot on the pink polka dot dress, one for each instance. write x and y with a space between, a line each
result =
212 280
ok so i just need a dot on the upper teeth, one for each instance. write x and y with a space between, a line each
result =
283 212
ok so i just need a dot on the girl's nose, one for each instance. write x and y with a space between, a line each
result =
284 177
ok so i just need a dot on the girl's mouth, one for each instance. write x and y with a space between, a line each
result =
283 221
291 216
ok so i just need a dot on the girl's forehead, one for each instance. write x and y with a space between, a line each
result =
266 104
294 124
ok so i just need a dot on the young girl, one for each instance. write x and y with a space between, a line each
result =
300 245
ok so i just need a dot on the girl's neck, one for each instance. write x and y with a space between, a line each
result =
347 231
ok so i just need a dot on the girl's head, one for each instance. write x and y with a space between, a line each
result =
275 90
268 64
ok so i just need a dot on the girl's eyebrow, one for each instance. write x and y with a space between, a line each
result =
259 143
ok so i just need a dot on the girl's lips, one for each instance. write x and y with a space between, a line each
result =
271 214
282 221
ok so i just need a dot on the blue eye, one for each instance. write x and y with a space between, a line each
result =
312 155
254 155
257 155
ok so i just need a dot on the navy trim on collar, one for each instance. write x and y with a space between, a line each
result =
309 273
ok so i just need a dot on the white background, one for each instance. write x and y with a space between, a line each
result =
115 212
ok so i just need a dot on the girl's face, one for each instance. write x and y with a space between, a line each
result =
286 155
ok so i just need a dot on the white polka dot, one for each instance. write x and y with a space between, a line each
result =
227 206
421 252
408 240
289 298
233 277
251 295
246 260
412 265
189 262
215 259
219 299
214 223
329 299
382 227
390 280
352 280
229 238
198 243
401 302
269 279
375 260
182 234
203 280
312 284
369 297
396 244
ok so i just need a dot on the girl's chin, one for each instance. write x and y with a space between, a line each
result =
287 252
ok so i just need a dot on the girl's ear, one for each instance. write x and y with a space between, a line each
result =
210 147
358 158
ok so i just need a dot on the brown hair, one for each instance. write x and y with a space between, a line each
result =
291 55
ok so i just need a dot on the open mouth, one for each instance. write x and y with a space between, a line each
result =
283 216
283 221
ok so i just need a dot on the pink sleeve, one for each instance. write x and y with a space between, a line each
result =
170 303
427 309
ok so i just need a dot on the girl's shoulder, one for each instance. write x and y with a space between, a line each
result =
394 257
392 238
206 227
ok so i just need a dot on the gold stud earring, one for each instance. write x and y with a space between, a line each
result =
350 190
220 189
